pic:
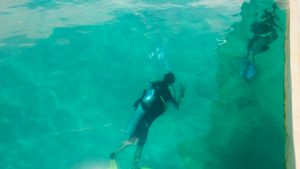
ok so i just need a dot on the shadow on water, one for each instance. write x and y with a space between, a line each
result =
247 128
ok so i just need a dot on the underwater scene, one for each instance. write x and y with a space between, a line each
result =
74 74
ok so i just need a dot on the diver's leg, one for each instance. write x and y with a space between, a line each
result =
137 157
252 58
142 133
250 46
124 145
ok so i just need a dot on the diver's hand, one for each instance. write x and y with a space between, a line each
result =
182 90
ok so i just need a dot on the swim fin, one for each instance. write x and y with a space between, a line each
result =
250 71
113 164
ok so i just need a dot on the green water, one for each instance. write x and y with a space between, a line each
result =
70 72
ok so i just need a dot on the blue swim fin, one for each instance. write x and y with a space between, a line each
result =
250 71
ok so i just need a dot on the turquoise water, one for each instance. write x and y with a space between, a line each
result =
71 70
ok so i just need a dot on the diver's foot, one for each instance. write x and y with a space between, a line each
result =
112 156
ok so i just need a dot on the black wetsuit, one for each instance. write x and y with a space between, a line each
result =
157 108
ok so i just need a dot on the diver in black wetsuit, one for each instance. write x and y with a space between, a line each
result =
153 110
264 33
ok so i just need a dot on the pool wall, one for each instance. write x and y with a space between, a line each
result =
292 85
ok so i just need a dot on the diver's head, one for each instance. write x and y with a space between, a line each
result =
169 78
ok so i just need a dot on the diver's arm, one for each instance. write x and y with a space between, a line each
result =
176 102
